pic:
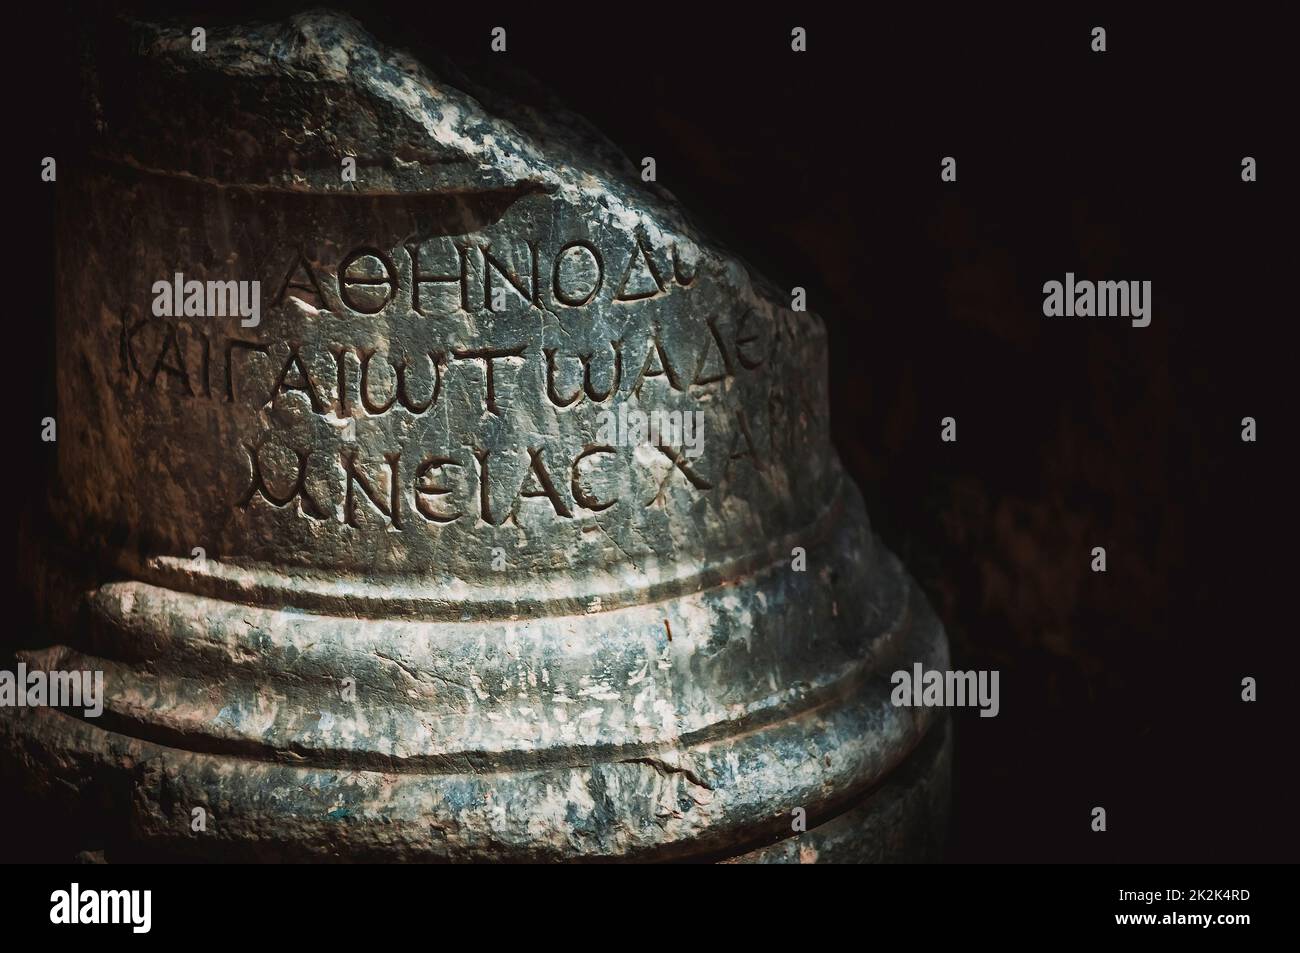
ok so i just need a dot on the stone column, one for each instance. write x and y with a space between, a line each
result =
472 507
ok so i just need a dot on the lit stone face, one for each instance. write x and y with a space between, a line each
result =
477 527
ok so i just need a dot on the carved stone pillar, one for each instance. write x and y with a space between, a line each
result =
497 521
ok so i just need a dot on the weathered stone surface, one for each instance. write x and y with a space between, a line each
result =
439 612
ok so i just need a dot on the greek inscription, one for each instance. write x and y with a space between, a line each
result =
578 266
641 278
258 485
366 283
588 389
392 509
489 357
426 486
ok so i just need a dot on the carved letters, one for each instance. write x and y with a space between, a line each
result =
371 281
432 278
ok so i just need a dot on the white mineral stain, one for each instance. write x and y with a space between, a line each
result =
667 717
601 691
477 684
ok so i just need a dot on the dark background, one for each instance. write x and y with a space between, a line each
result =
822 168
